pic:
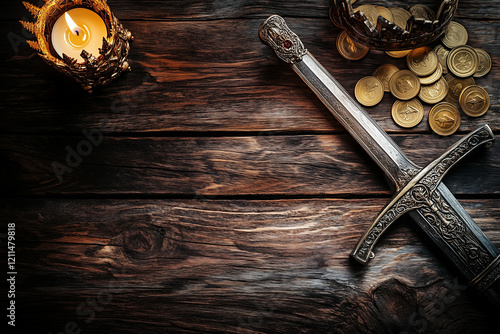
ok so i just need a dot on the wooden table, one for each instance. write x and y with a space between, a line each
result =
223 197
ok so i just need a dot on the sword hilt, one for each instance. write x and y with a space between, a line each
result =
418 193
287 45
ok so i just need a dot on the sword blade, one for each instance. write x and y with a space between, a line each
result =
374 140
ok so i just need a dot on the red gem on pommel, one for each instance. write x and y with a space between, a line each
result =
287 44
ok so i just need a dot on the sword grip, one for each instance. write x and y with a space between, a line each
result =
488 282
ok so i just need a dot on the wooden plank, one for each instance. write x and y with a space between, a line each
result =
281 165
234 266
240 309
200 9
223 9
208 76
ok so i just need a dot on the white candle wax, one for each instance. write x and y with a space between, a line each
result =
77 30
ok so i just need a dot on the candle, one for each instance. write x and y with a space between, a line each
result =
77 30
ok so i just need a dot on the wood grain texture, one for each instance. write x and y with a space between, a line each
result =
210 76
228 166
224 9
224 198
235 266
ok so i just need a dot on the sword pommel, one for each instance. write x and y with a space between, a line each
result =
287 45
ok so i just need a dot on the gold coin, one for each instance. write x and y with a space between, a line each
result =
385 13
422 12
404 85
442 54
384 74
474 101
433 77
349 48
455 87
401 16
434 93
454 35
370 12
422 61
398 53
407 113
484 63
444 119
369 91
463 61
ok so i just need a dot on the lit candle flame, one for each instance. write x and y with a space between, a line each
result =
72 25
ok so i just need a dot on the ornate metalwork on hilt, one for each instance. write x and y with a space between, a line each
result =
487 277
287 45
419 193
97 69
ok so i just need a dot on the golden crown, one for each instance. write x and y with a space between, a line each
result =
386 35
96 70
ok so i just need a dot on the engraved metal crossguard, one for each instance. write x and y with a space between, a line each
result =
419 191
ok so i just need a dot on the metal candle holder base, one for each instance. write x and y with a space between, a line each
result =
96 70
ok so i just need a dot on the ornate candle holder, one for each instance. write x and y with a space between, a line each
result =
94 69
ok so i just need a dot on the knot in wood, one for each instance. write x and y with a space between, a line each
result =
144 241
138 241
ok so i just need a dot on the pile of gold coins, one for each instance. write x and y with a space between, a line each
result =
424 80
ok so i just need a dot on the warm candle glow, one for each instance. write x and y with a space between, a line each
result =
71 24
77 37
79 29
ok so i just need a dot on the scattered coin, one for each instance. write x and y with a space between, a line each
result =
455 87
407 113
463 61
455 35
422 61
484 63
384 74
444 118
400 15
474 101
434 93
398 53
370 12
442 54
369 91
404 85
349 48
425 75
385 13
433 77
422 12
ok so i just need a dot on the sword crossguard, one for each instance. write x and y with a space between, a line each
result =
419 193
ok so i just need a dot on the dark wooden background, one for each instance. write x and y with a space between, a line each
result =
224 197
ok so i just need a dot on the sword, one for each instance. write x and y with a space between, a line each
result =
419 191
